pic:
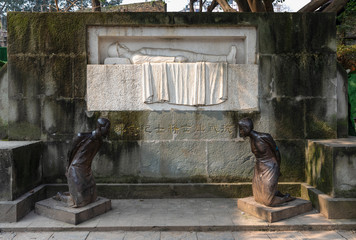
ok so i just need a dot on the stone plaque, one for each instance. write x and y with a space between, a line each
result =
146 68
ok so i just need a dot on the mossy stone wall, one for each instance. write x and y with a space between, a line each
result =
47 88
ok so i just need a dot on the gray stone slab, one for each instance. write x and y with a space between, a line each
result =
33 235
13 211
59 211
274 214
114 235
70 235
15 144
20 168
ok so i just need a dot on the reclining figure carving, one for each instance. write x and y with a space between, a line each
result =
159 55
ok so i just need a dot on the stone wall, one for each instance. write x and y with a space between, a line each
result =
297 98
4 102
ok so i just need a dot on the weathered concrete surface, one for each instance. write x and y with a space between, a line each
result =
14 211
4 102
112 80
20 168
174 190
274 214
59 211
202 215
342 103
332 208
47 98
331 166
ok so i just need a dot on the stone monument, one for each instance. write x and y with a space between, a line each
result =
265 178
82 187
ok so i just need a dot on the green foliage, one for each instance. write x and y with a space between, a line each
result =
347 18
352 99
346 55
49 5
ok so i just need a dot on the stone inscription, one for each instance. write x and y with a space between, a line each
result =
137 129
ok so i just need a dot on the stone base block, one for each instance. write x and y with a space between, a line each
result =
274 214
59 211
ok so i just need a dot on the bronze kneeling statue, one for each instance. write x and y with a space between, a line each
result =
82 187
267 167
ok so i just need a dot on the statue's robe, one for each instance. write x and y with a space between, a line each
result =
80 178
267 169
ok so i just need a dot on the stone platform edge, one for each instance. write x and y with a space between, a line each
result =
328 206
331 208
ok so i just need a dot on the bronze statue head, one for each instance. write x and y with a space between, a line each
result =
104 125
245 127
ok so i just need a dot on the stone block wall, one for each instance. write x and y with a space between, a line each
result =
47 97
4 102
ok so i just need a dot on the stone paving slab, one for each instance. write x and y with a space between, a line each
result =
195 215
121 235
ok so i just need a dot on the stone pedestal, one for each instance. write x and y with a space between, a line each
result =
20 168
59 211
331 166
274 214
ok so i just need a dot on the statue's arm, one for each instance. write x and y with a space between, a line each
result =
268 138
77 140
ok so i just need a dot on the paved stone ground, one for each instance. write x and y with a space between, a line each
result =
215 218
122 235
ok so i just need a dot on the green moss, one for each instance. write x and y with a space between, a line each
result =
320 167
24 131
3 129
318 128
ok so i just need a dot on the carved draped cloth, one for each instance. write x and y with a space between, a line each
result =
195 84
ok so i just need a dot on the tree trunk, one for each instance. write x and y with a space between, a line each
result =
200 5
213 5
243 6
268 5
335 6
225 6
256 5
95 5
312 6
191 5
56 2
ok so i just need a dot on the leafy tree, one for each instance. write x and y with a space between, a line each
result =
267 5
52 5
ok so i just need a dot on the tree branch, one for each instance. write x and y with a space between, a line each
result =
95 5
225 6
256 5
268 5
213 5
191 5
335 6
312 6
56 2
243 6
